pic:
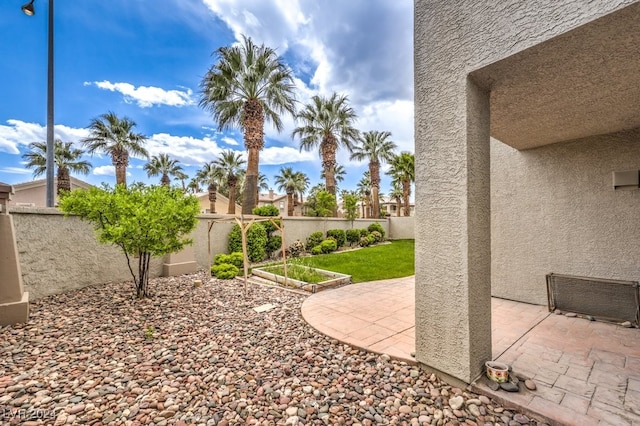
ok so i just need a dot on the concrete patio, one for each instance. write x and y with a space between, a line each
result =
586 372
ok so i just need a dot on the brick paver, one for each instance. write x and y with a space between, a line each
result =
587 372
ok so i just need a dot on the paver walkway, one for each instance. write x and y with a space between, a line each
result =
587 372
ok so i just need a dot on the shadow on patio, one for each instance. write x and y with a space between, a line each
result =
586 372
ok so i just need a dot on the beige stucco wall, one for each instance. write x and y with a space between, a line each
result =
401 227
58 253
453 244
554 209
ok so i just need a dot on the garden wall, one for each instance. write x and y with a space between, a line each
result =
58 253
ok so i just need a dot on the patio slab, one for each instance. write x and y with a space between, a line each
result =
587 372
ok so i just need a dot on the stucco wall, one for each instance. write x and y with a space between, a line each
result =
453 251
401 228
58 253
554 210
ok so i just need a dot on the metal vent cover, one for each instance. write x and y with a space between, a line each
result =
604 299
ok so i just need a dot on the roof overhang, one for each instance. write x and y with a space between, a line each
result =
582 83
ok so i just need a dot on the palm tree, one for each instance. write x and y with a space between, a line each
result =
364 189
263 182
292 183
211 175
338 174
327 123
403 172
182 176
65 158
396 194
194 185
302 185
376 147
114 136
163 165
230 164
247 86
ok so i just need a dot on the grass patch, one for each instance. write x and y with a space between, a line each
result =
298 272
379 262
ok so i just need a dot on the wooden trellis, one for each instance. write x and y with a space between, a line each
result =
245 223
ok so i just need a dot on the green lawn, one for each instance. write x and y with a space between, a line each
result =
379 262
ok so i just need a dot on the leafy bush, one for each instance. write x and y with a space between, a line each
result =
364 242
364 232
295 249
339 235
352 236
224 271
376 227
274 243
377 236
328 245
270 226
371 238
233 259
316 250
314 239
256 242
267 210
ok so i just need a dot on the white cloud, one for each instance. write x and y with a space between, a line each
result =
230 141
147 96
16 170
283 154
15 136
104 171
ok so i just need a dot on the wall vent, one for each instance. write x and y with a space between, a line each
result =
604 299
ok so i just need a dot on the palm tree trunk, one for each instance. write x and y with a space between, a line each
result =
374 172
120 161
406 190
254 141
212 188
64 181
232 199
165 180
398 206
289 203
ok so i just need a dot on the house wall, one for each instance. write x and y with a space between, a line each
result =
453 231
554 209
58 253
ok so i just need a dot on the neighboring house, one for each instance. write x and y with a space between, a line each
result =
280 201
523 111
222 203
34 193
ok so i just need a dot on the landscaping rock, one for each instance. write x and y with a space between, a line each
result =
530 384
509 387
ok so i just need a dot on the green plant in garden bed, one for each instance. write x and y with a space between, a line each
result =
379 262
298 272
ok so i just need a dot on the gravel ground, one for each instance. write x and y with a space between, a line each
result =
203 356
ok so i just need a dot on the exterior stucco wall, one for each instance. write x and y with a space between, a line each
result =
59 254
402 228
554 209
453 247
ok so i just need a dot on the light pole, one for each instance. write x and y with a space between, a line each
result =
29 10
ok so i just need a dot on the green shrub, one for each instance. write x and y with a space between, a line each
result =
376 227
339 235
316 250
352 236
295 249
314 239
328 245
268 210
364 242
377 236
274 243
270 226
235 259
224 271
364 232
371 238
256 242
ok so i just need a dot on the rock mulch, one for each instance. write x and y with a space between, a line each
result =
203 356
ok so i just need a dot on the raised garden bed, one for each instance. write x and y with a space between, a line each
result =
302 277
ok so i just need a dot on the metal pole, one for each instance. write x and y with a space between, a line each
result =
50 143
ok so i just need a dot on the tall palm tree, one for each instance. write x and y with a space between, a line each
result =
327 123
292 183
194 185
230 164
403 172
182 176
338 174
263 182
364 189
376 147
396 194
65 157
163 165
115 136
210 175
248 85
302 185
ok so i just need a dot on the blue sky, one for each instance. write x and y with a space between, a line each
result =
144 59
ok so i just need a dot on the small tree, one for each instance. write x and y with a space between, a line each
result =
144 221
350 205
325 203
